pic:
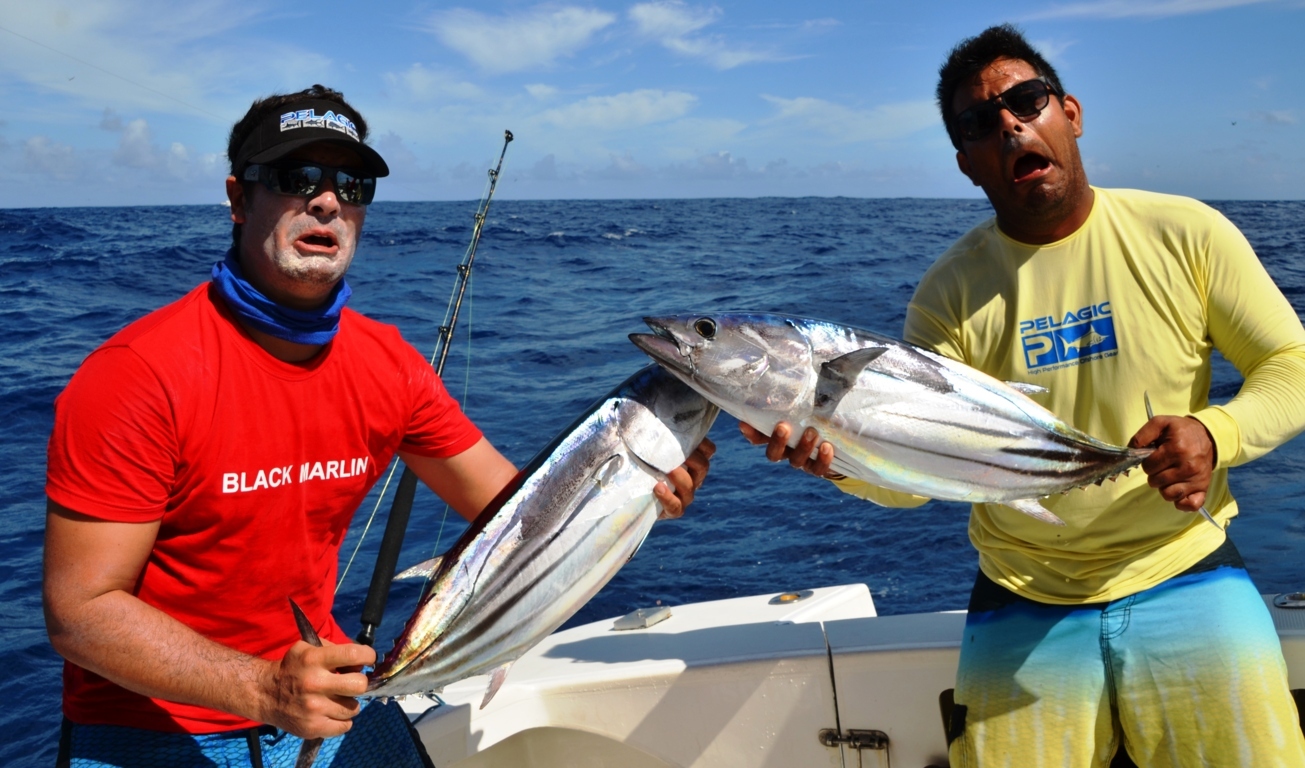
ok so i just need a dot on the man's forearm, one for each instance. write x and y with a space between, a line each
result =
122 639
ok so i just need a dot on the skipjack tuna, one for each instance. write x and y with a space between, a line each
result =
551 540
898 416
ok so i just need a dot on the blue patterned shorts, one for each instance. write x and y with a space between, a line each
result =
381 737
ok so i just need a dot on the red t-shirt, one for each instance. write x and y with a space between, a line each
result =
254 466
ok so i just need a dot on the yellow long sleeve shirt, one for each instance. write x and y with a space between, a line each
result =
1131 303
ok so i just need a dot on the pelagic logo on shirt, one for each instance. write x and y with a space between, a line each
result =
308 471
1074 338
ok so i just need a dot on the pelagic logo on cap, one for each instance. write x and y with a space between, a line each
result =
308 118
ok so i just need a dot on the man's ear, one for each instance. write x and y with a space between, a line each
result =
236 196
1074 113
963 163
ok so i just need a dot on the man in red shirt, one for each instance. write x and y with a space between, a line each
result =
206 461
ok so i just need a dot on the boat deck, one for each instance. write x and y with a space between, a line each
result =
752 681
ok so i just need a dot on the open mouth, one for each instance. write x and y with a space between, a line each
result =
662 346
318 241
1029 166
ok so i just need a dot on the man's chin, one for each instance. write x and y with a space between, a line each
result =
313 267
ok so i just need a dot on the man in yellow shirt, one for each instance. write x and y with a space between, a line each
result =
1135 623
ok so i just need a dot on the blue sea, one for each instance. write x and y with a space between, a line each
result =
557 287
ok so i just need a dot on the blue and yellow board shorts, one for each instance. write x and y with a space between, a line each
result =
381 737
1188 673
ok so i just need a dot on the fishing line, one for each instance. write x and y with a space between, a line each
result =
397 523
482 208
466 390
112 74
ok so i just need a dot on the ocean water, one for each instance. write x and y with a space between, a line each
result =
556 289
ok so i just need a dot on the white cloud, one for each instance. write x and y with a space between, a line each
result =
671 18
43 156
847 125
624 110
1120 9
672 23
541 91
1276 117
110 122
1054 50
136 148
150 55
422 84
518 41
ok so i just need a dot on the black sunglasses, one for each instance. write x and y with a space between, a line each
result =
306 180
1025 101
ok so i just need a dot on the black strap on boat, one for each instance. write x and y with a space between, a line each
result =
396 526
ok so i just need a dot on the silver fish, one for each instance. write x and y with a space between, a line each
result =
898 416
577 513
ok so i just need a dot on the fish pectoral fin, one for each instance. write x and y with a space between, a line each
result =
655 447
1033 509
1026 388
423 570
496 679
839 375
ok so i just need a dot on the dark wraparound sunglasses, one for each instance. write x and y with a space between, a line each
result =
1025 101
306 180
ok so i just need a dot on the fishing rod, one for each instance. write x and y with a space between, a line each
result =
396 526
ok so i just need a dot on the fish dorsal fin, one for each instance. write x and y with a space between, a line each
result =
423 570
913 365
1026 388
839 375
496 679
1033 509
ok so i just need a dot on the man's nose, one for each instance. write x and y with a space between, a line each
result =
326 202
1008 122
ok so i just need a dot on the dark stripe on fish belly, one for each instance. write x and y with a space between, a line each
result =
1066 457
978 461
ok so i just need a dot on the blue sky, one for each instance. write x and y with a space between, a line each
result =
127 102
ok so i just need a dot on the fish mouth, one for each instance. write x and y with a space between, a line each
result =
665 349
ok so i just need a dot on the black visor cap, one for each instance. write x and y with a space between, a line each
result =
306 122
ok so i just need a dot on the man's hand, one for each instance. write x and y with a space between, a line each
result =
687 479
799 456
311 691
1183 461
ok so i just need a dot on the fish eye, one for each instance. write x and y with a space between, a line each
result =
706 327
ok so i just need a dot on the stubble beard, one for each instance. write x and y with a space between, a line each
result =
312 269
1050 202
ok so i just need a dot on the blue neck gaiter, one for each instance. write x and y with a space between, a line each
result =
316 326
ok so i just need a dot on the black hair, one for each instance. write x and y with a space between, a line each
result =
972 55
274 104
